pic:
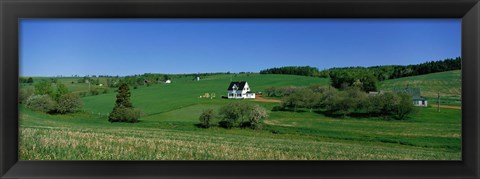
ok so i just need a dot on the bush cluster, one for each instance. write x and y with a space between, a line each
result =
94 92
43 98
280 91
24 94
43 103
206 118
349 102
123 114
241 114
69 103
236 114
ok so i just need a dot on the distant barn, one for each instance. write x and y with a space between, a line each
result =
240 90
418 100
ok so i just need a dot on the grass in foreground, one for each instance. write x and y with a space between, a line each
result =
300 136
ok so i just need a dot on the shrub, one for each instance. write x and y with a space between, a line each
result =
24 94
83 94
281 91
397 105
61 90
69 103
123 114
302 98
43 103
206 118
241 114
341 104
278 108
43 87
226 123
404 108
229 115
356 97
94 92
254 115
390 105
374 105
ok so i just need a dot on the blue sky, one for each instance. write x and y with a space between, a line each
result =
51 47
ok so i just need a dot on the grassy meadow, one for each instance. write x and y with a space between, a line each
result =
168 130
448 84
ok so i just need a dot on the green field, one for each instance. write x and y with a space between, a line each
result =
168 130
448 84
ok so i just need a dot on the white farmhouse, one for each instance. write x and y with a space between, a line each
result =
240 90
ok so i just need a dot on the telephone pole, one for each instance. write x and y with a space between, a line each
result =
438 101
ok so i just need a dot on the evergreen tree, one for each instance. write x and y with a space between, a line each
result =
123 97
123 110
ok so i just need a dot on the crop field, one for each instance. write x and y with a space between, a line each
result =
168 130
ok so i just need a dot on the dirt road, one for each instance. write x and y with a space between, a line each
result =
449 107
261 99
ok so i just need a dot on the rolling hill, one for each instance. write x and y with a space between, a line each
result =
168 130
448 84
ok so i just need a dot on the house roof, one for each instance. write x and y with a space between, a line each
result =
414 92
240 85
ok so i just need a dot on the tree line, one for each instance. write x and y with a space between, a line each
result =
351 101
380 72
397 71
366 78
25 80
293 70
146 79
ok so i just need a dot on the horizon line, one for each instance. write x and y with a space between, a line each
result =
229 72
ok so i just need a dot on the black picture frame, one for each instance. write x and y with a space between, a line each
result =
12 10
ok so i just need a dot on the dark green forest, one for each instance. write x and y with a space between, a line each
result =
380 72
367 77
293 70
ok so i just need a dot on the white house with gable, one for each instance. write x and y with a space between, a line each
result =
240 90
